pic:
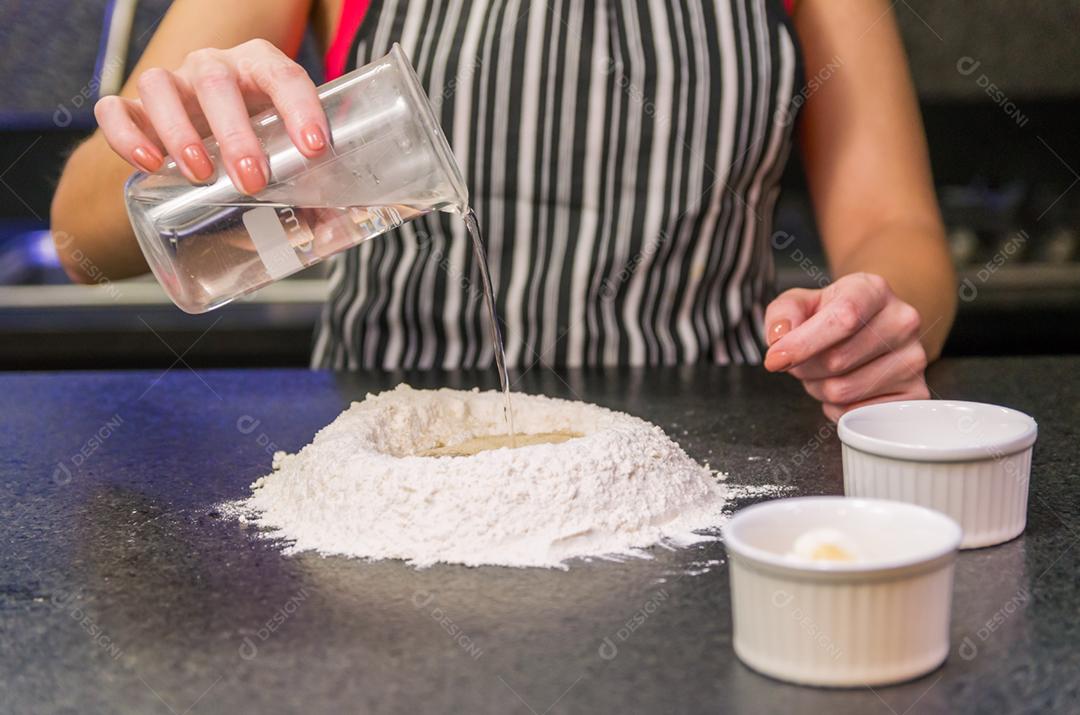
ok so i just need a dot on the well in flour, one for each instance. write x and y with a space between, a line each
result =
615 485
482 443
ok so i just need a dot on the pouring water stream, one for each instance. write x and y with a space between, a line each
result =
480 255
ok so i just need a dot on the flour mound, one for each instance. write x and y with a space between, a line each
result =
360 490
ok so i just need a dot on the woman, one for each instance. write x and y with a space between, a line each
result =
623 158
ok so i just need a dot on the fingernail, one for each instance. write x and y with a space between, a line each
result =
314 138
253 176
149 160
197 162
778 330
778 361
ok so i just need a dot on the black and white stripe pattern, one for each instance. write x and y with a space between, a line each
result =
623 157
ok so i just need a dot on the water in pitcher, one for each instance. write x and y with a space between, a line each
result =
237 248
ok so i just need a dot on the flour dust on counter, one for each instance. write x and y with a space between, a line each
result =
398 476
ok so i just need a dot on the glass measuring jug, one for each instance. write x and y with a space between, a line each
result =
388 162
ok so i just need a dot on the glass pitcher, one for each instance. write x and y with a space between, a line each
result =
388 162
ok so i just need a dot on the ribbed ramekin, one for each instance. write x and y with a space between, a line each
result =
969 460
883 619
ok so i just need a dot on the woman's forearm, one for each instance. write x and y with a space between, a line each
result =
912 257
867 163
89 223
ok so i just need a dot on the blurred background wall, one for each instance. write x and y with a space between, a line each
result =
999 84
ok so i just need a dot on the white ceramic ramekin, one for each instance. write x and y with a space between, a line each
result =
881 619
966 459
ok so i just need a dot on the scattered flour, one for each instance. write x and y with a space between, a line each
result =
360 490
756 491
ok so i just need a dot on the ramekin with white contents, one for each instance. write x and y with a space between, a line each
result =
841 592
969 460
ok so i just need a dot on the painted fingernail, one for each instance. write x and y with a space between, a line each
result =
314 139
778 361
252 174
197 162
147 159
778 330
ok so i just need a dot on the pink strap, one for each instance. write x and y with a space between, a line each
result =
352 14
337 57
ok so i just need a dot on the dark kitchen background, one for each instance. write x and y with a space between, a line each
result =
999 83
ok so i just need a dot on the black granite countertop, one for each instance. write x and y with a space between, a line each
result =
122 589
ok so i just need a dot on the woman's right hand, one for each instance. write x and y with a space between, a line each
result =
215 91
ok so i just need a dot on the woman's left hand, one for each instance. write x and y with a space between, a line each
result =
851 343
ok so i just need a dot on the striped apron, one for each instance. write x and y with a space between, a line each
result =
623 158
